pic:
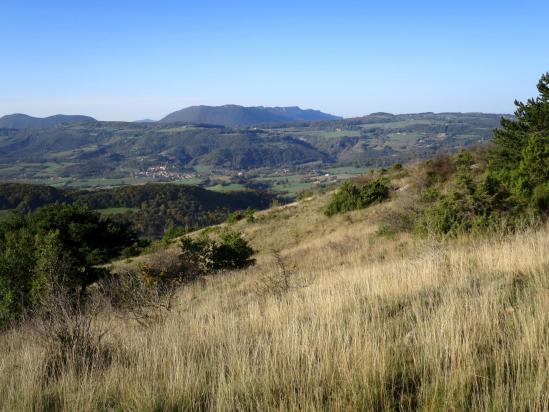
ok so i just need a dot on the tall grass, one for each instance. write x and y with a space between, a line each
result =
380 324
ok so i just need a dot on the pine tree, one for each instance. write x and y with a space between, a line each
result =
519 161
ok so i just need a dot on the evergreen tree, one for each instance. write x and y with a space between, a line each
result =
519 161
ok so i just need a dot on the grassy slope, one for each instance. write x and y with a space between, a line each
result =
370 323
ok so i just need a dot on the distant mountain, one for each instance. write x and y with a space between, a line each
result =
233 115
119 150
144 121
23 121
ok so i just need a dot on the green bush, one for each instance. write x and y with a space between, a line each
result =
513 190
204 255
350 197
375 191
234 217
232 252
429 195
58 246
249 213
466 207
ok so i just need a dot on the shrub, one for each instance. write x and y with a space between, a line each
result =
467 208
350 197
375 191
514 188
232 252
279 281
72 340
393 222
439 169
429 195
145 293
204 255
249 213
345 199
235 217
57 245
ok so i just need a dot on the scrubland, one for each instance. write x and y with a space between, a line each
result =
335 315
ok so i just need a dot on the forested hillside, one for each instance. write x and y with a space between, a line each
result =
23 121
116 150
233 115
150 208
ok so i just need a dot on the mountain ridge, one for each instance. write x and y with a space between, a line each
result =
232 115
24 121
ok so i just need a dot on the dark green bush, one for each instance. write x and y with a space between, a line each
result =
231 252
350 197
375 191
57 246
540 198
454 214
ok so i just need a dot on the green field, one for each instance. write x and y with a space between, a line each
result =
293 188
192 181
347 170
395 125
330 134
227 188
282 178
100 182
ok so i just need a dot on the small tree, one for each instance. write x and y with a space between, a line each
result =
232 252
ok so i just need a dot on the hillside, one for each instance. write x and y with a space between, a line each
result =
417 287
368 322
23 121
117 150
151 208
234 116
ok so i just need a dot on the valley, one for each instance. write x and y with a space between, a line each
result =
287 157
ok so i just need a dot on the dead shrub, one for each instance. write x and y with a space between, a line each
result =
145 294
280 281
434 171
70 336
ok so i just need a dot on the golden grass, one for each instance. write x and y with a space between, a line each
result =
382 324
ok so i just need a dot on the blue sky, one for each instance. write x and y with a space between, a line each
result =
127 60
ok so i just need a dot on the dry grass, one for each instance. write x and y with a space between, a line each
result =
382 324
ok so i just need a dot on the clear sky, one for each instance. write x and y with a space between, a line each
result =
127 60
